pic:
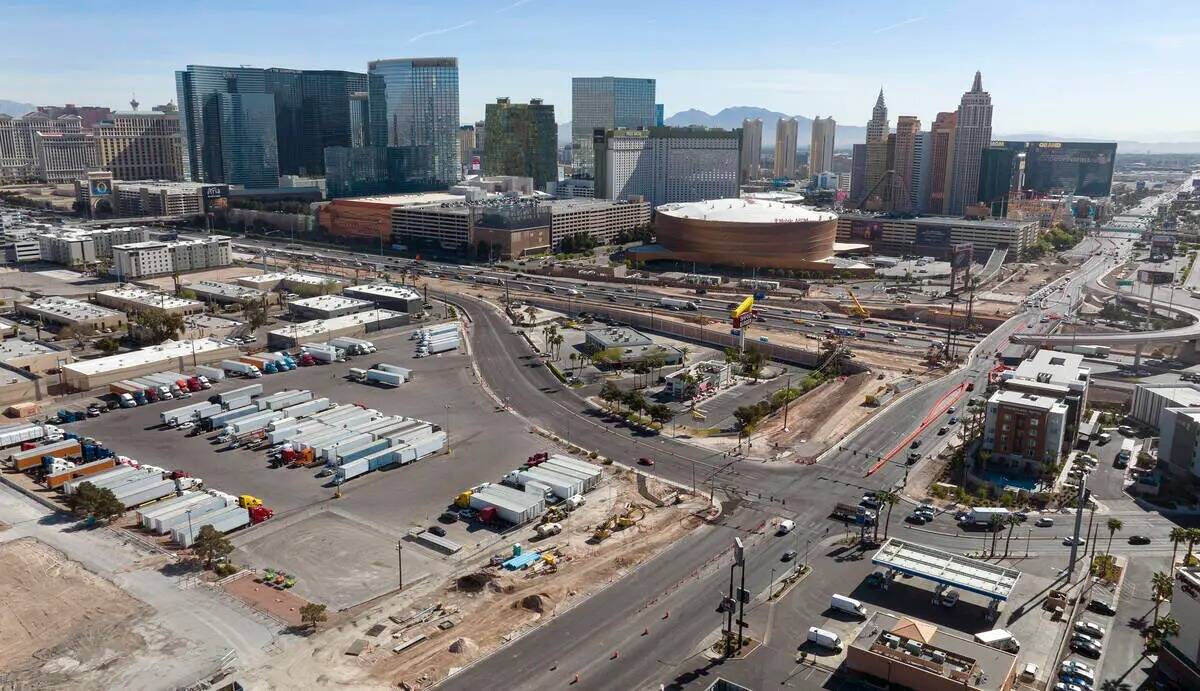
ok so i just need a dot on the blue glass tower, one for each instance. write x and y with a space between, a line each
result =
414 103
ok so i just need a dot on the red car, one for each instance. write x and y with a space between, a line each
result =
645 461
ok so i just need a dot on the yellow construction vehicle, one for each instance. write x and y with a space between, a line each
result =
857 310
604 530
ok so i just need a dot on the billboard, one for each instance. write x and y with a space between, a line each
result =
961 254
1155 277
100 187
743 308
866 230
933 235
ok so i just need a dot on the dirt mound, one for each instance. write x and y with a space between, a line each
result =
464 646
474 582
538 602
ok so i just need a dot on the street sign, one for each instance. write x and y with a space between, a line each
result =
1125 284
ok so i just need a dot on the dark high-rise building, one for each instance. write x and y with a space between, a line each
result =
858 171
249 149
414 102
1035 169
606 103
522 140
360 119
1000 176
311 111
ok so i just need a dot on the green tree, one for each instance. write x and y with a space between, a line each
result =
187 293
1178 535
636 401
994 525
1162 588
1193 534
611 393
255 314
108 345
157 327
211 544
101 503
312 614
1162 630
609 356
661 413
1113 525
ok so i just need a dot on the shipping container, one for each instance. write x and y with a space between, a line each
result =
254 423
185 413
562 485
57 480
351 470
24 460
240 392
395 368
362 452
163 488
168 521
103 479
330 452
221 419
307 408
291 432
590 472
212 374
135 484
147 514
288 399
413 430
232 518
513 506
385 378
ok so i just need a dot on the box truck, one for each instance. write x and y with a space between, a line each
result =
676 304
236 367
999 639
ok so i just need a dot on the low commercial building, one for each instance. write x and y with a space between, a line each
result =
132 300
224 293
153 198
326 307
294 281
370 218
33 356
73 313
143 259
387 296
700 377
168 356
324 329
24 250
1179 658
933 235
1026 431
630 345
913 654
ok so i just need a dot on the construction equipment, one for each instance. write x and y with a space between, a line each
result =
857 311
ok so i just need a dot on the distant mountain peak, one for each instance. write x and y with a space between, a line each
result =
15 108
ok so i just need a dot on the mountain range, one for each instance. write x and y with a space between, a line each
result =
15 108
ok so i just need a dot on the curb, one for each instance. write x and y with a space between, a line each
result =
31 495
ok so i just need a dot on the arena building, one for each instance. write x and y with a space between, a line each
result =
748 232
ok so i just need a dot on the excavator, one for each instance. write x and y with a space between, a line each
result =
630 516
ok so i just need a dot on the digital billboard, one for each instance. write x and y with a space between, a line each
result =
1155 277
1082 168
866 230
933 235
961 254
100 187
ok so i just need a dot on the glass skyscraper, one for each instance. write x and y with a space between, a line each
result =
369 170
249 146
521 139
311 110
605 103
414 102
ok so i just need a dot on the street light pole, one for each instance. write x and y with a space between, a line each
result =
400 559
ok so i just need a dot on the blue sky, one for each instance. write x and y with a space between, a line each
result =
1097 69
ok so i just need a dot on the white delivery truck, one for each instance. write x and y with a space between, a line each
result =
825 639
786 526
999 639
848 605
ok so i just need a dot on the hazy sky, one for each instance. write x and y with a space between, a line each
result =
1094 68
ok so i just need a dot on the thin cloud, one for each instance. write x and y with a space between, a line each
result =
438 32
513 6
897 25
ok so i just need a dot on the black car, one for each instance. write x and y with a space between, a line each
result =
1085 648
916 443
1139 540
437 530
448 517
1101 606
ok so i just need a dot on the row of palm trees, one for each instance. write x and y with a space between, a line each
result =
636 401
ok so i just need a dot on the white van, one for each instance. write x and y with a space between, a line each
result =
825 639
786 526
848 605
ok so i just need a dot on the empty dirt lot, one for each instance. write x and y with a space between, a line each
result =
56 616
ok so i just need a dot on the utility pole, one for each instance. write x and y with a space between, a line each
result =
787 396
400 558
1082 498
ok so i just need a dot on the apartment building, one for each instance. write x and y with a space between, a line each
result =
155 258
1179 658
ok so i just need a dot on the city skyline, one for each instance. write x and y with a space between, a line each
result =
1141 55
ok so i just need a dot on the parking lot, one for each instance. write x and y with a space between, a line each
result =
376 509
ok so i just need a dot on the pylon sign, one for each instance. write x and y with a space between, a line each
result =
743 308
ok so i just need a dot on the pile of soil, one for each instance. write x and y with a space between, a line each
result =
464 646
538 602
474 582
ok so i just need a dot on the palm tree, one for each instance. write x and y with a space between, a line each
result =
1012 520
891 499
1115 685
1178 535
574 362
1113 525
684 351
1193 534
1161 588
994 525
1162 630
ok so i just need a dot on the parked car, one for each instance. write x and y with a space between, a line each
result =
1089 628
1085 648
448 517
437 530
913 457
916 518
1101 606
949 598
1075 666
1064 686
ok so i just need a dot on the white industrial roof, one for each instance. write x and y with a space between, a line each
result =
387 290
330 302
287 276
745 211
15 348
1026 400
949 568
72 309
164 352
320 326
149 298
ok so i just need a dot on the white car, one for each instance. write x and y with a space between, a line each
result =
1064 686
186 425
1075 666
